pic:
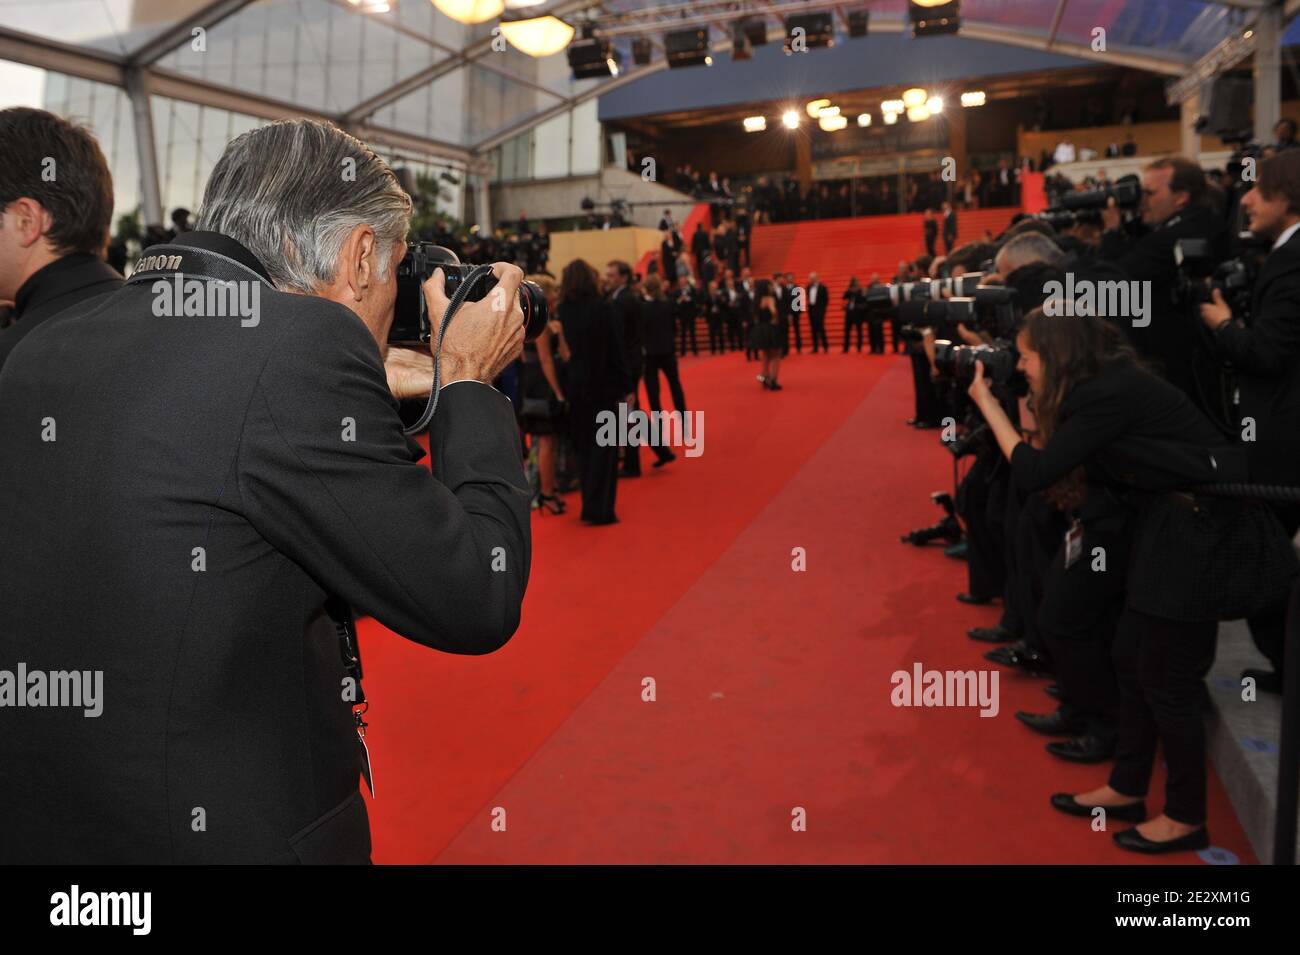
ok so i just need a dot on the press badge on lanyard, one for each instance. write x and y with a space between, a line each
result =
1073 544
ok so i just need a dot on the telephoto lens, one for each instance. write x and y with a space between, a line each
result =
411 319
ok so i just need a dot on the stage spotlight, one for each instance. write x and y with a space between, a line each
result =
755 124
818 31
832 123
790 118
816 106
687 48
973 98
917 114
592 58
914 97
934 17
892 106
890 118
641 51
858 23
864 119
934 104
828 111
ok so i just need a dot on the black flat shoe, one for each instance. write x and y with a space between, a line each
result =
1054 691
668 458
994 634
1083 749
974 599
1134 841
1132 812
1050 724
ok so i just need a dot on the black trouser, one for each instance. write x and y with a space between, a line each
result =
687 331
894 325
668 365
817 324
1011 620
1080 609
1268 629
928 408
849 325
1040 529
597 465
716 342
632 452
798 336
984 482
733 331
876 335
1161 665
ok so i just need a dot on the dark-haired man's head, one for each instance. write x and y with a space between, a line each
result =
617 274
1273 206
56 194
1171 185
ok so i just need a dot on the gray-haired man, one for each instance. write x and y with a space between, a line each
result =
188 476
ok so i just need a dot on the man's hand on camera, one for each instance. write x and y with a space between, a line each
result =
483 337
979 387
1217 312
410 372
1110 215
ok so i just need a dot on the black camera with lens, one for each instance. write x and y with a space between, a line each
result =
1086 206
411 322
957 362
1199 273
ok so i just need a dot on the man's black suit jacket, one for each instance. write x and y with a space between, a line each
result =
58 286
1172 339
817 309
207 484
1265 355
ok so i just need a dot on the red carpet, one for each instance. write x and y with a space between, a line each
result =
773 687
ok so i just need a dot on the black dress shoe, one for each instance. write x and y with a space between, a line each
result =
1021 656
1266 680
1050 724
927 425
1133 812
668 458
625 474
994 634
1083 749
1134 841
974 599
1054 691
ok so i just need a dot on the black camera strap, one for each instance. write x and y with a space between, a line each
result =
457 300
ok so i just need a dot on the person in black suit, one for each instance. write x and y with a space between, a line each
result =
626 303
215 477
686 309
669 248
52 244
854 313
659 357
1264 353
715 316
792 308
701 245
818 298
949 228
930 231
1111 425
598 381
1175 205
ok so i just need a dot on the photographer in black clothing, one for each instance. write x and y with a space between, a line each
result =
55 227
1263 355
1124 434
1175 205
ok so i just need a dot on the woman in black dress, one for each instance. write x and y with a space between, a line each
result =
767 336
598 380
1123 433
544 397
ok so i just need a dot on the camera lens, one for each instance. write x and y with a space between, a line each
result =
536 314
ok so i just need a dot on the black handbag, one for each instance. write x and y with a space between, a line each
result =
1199 558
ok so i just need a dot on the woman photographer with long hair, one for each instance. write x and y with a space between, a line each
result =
1139 440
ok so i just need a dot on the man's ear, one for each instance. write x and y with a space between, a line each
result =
31 220
359 261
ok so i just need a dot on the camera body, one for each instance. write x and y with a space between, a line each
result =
411 322
1199 273
1075 207
958 361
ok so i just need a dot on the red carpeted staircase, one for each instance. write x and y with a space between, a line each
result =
837 249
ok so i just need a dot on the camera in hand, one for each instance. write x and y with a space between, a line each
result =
1200 272
1086 206
411 319
958 361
